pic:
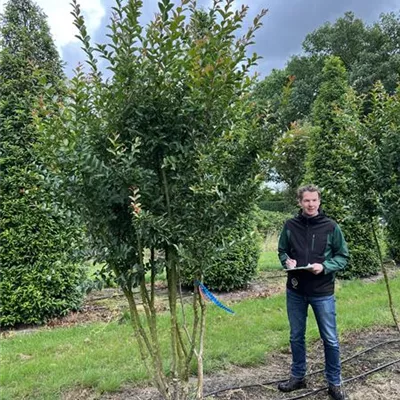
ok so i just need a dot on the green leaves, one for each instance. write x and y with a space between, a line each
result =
289 155
234 260
39 238
175 115
378 141
165 7
330 165
30 41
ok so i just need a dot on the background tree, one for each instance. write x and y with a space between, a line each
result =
371 140
329 165
369 52
344 39
164 156
271 96
378 143
38 280
289 156
307 75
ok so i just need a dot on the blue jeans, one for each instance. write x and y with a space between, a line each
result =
325 313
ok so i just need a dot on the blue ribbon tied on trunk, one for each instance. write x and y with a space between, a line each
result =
207 295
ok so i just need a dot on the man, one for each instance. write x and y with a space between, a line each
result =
313 241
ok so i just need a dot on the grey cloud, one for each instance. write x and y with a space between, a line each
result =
288 22
284 27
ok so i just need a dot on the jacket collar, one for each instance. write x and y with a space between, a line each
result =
311 220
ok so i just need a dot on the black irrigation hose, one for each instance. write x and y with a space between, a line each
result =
358 354
302 396
371 371
312 373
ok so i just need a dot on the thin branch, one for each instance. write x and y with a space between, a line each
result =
153 277
172 297
384 271
151 315
200 371
143 290
140 333
181 342
143 339
166 191
136 319
192 337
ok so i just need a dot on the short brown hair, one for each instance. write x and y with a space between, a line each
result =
307 188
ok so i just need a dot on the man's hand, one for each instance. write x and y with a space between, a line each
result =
316 268
290 263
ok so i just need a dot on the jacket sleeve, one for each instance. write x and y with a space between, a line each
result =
283 246
340 252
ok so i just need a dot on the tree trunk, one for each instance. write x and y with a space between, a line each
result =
146 348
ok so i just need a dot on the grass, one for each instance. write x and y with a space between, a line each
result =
269 261
269 255
42 365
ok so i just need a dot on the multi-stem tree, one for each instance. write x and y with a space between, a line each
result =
37 279
162 157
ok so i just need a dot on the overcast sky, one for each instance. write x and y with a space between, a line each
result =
284 29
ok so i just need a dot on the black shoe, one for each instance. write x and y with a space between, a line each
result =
292 384
336 392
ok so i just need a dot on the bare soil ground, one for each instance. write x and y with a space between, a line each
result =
108 304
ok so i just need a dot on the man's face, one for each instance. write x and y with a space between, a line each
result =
310 203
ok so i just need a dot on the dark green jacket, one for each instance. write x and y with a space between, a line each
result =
313 240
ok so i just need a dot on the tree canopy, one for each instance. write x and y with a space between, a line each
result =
37 278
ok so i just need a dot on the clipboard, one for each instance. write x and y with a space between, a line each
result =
307 267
